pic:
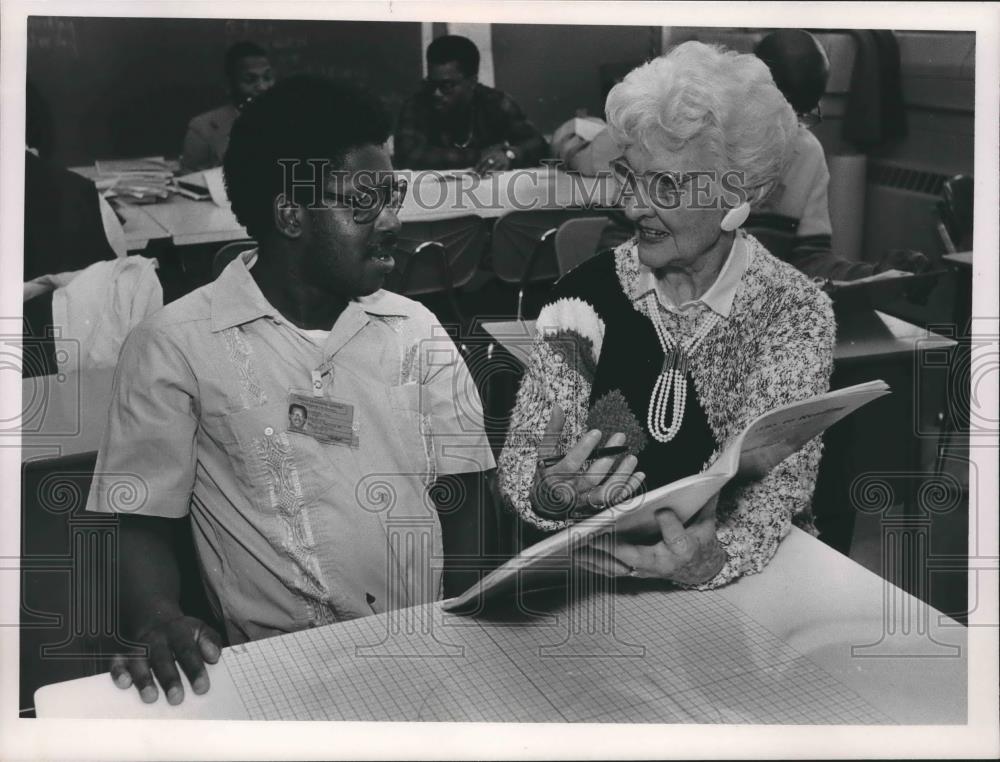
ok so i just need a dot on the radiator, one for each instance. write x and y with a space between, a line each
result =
901 209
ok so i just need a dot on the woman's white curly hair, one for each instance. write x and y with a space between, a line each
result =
725 102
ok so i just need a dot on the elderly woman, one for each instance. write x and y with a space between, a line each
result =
674 341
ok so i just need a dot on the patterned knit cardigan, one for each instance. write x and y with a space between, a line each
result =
776 347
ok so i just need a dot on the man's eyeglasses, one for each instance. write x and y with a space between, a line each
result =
369 201
662 188
446 86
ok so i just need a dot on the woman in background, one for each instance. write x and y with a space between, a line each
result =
682 335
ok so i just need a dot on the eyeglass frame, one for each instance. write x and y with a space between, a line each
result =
446 86
679 180
365 214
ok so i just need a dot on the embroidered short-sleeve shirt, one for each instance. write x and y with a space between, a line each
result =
292 531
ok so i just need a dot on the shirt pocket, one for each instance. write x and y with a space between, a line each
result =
260 452
413 427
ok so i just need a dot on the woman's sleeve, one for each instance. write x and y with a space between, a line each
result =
559 371
795 363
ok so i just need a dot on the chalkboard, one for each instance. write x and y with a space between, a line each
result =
119 87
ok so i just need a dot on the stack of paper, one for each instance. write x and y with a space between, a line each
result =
144 180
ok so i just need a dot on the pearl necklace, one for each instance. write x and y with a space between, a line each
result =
673 375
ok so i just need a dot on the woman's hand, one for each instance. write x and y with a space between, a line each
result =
565 491
689 555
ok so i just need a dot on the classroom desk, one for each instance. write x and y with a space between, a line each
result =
139 226
64 414
879 337
962 260
189 222
837 624
961 266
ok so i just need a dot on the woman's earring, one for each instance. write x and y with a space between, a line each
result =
735 217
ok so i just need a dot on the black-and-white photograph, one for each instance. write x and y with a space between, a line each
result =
605 369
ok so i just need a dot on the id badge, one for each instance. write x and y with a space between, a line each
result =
325 420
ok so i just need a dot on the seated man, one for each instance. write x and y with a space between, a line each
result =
799 203
248 73
295 521
456 122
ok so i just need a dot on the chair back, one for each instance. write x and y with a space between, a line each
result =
438 256
955 210
70 571
228 253
523 248
576 241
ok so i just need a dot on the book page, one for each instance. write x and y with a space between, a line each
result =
773 437
766 441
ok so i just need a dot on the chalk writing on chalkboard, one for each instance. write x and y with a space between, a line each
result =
52 33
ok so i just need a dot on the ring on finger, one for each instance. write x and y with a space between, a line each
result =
679 542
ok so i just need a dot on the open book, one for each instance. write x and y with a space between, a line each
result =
764 443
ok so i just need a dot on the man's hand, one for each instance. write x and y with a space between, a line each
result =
493 159
181 640
689 555
906 260
565 491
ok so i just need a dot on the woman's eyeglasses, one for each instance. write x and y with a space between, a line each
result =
662 188
368 202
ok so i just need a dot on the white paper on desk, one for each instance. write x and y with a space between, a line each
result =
588 129
876 278
216 186
764 443
194 178
147 166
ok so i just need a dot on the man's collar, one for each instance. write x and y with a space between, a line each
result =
720 295
236 298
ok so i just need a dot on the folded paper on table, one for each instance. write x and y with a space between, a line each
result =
764 443
588 129
193 186
216 186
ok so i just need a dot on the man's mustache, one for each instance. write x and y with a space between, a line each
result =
385 240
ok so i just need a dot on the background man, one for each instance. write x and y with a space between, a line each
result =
293 528
800 203
456 122
248 73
